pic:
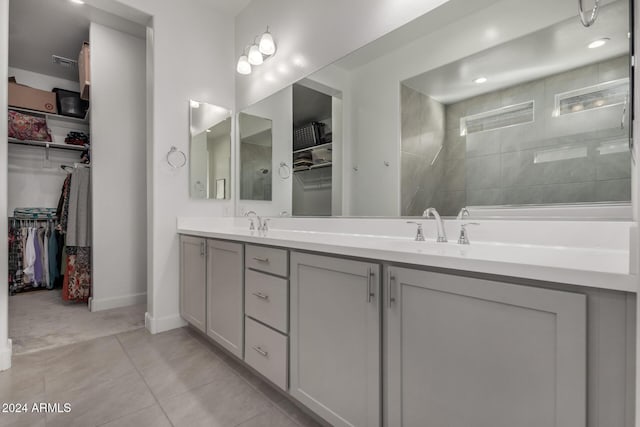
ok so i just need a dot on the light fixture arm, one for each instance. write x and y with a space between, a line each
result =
587 22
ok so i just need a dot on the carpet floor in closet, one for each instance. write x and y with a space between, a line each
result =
41 320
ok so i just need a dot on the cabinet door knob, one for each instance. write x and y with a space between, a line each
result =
261 295
260 351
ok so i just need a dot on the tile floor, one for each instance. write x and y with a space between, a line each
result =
138 379
42 320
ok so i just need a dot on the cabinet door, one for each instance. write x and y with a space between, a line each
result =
470 352
193 281
335 338
224 294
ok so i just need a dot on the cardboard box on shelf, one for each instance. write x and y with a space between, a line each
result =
21 96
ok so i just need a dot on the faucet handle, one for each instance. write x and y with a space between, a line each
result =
419 231
464 236
252 226
463 212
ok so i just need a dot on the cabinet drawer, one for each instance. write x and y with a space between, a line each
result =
266 352
269 260
265 299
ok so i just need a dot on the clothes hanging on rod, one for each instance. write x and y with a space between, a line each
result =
33 262
75 222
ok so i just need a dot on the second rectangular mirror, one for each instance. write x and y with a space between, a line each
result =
255 157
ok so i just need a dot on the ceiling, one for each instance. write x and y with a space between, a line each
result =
41 28
552 50
232 7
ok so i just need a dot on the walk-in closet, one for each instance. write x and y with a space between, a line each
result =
62 214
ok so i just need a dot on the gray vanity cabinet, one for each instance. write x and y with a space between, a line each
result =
335 338
225 291
470 352
193 302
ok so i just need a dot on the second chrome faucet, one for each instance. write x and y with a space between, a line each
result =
442 234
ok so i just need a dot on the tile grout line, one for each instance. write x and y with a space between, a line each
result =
210 348
145 384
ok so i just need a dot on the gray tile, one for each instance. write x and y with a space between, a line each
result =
483 103
451 202
168 378
613 166
101 402
23 417
529 195
483 172
217 404
455 146
520 170
453 113
529 91
80 365
271 418
454 175
152 416
580 192
483 143
301 417
522 137
24 380
145 349
485 197
618 190
613 69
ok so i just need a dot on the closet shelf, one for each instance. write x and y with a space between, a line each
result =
55 117
316 166
315 147
45 144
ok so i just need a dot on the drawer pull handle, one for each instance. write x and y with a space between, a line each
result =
261 259
261 295
261 351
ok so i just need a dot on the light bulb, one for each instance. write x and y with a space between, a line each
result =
77 1
255 57
480 80
243 65
267 45
598 43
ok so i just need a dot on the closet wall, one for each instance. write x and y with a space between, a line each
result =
33 181
118 133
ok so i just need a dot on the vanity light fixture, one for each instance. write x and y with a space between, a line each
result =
480 80
243 67
598 43
255 57
257 53
267 45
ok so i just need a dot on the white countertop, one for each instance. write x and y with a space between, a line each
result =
600 267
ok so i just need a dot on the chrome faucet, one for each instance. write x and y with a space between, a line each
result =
442 235
265 225
251 218
419 231
464 235
463 212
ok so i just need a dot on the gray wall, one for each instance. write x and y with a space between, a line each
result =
497 167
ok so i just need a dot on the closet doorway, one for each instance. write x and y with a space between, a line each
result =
72 69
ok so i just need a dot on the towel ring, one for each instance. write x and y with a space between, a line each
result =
587 22
284 171
176 158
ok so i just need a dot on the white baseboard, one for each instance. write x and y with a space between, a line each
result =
116 302
5 356
162 324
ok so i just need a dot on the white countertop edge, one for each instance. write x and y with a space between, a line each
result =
593 279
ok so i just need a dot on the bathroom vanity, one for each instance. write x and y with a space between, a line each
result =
378 329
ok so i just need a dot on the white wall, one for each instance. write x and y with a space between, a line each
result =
5 343
279 109
193 58
118 133
310 36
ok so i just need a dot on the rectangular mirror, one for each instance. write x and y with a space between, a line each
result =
491 103
210 151
255 157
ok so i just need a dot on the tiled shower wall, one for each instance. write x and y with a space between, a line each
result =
497 167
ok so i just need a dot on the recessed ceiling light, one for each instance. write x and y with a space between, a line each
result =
77 1
480 80
598 43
